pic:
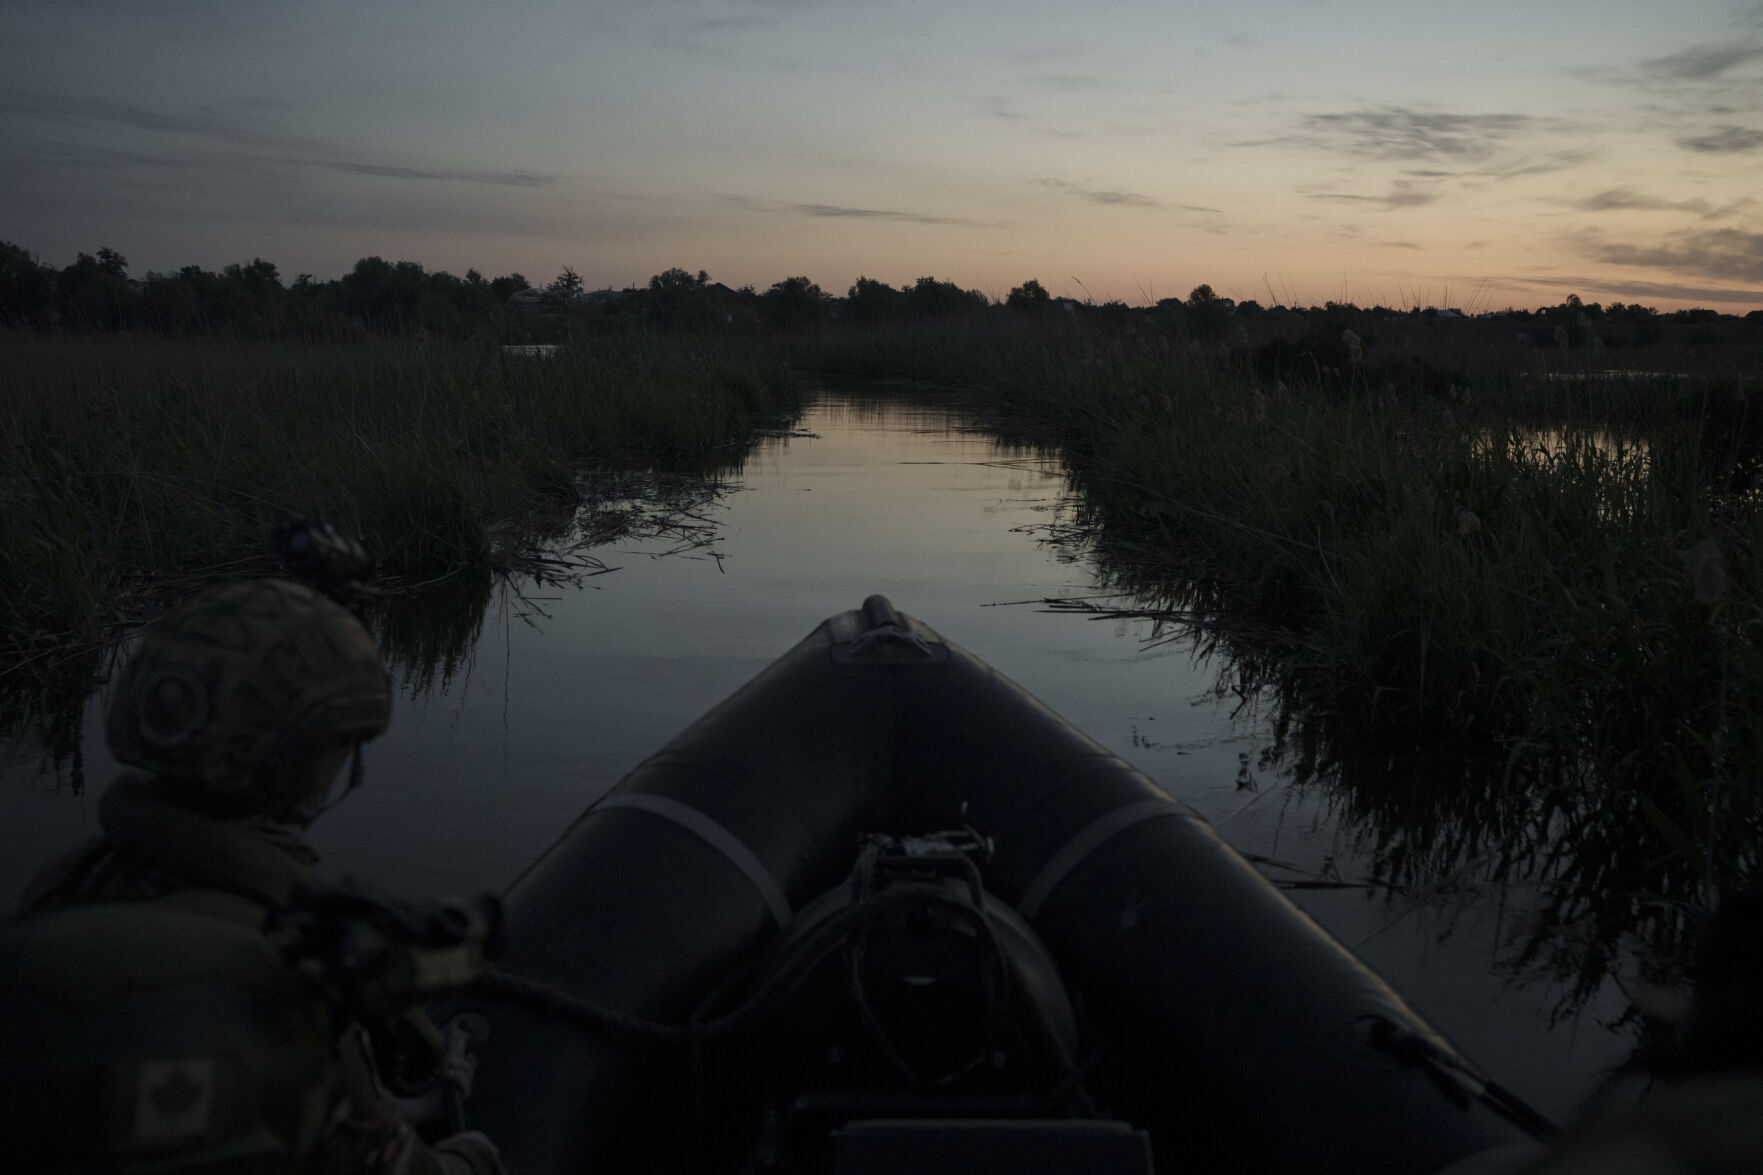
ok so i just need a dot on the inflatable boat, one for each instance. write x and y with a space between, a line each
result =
881 910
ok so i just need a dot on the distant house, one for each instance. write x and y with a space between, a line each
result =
1449 314
731 305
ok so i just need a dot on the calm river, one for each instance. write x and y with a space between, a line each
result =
563 690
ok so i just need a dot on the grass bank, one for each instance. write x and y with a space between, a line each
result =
125 460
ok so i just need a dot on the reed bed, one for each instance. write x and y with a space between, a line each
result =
1555 576
129 461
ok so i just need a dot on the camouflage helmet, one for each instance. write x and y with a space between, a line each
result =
236 697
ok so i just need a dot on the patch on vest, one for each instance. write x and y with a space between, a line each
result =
171 1100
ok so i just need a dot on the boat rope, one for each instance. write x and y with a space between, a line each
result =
713 833
553 1002
560 1004
1073 852
707 1025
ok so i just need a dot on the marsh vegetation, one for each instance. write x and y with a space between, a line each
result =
133 462
1498 577
1513 622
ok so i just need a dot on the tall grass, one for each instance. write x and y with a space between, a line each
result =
132 459
1558 575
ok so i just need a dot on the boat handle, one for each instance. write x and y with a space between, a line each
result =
718 837
1073 852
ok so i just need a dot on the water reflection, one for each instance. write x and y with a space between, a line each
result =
650 599
1593 840
43 710
427 637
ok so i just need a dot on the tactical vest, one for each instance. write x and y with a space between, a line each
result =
157 1036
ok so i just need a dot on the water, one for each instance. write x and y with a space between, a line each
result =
565 689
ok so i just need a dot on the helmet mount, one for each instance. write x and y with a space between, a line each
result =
242 696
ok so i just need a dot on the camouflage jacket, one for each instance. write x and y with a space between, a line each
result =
150 1024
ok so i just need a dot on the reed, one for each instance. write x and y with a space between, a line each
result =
131 460
1513 563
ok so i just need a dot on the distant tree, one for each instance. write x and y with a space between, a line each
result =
94 292
113 263
1206 312
873 301
170 304
1568 321
473 278
256 293
386 298
26 288
930 298
677 279
567 282
1248 308
1030 296
793 302
680 300
513 283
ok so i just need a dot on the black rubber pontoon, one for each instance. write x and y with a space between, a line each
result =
1254 1040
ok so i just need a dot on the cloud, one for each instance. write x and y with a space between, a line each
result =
1117 199
1625 198
1398 133
1725 140
1128 199
74 110
222 142
842 212
835 210
718 25
1065 83
1642 289
1728 254
1402 194
1539 164
998 108
1700 62
513 179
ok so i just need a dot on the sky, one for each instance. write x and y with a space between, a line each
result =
1476 155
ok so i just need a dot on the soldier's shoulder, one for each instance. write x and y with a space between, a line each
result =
156 1028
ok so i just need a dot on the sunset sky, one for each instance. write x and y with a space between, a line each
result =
1476 155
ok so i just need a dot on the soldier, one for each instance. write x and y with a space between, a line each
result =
148 1022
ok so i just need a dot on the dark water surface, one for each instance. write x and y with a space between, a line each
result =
559 696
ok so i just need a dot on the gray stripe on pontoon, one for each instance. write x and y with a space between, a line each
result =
1071 854
718 837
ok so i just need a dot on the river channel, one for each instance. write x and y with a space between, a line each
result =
564 688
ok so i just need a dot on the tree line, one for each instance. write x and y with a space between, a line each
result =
379 298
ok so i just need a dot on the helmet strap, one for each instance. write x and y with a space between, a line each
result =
355 774
355 770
